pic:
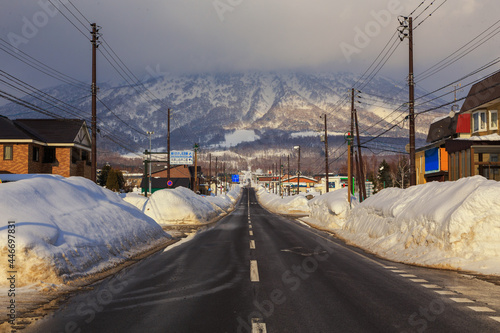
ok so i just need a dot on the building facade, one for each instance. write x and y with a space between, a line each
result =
53 146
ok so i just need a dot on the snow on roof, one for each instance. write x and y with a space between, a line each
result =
435 120
67 228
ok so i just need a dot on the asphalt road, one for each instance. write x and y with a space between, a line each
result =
258 272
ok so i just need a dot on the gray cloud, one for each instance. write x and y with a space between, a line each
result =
236 35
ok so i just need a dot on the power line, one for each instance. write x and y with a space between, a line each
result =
69 20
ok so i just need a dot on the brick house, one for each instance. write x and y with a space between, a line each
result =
54 146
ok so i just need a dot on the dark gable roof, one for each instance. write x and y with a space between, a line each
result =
52 130
482 93
9 131
443 128
43 130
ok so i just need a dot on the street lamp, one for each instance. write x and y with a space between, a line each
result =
298 170
149 133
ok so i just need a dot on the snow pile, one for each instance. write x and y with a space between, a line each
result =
183 206
330 210
450 225
66 228
297 204
225 202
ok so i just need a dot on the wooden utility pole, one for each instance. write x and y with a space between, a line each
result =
195 183
168 144
93 175
209 173
279 184
326 157
413 175
349 155
224 183
359 161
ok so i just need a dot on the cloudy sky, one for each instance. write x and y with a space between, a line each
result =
194 36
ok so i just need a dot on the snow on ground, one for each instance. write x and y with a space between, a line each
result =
452 225
68 228
182 206
296 204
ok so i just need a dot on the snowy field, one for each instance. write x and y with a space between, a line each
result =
453 225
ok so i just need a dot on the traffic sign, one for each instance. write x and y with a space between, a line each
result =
170 183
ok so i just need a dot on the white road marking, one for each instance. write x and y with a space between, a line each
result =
250 233
445 292
258 326
480 309
398 271
250 226
431 286
390 267
254 271
461 300
419 280
496 318
252 244
408 275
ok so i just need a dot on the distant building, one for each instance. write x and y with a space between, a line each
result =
53 146
180 175
465 144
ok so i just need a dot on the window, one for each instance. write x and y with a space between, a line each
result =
8 152
479 121
36 154
49 155
493 119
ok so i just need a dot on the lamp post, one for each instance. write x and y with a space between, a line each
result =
298 170
149 133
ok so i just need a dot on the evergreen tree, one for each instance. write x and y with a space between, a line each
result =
103 176
384 178
112 182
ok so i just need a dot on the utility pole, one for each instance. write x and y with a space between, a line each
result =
289 185
406 31
216 176
210 173
281 167
94 32
149 133
349 155
224 183
168 144
298 170
195 183
361 174
326 157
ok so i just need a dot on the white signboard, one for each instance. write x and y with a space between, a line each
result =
178 157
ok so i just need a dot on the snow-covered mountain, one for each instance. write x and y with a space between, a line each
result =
208 107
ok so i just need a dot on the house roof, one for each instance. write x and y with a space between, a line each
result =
482 93
442 128
9 130
55 131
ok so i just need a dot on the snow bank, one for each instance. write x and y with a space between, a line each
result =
297 204
330 210
446 225
68 228
183 206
